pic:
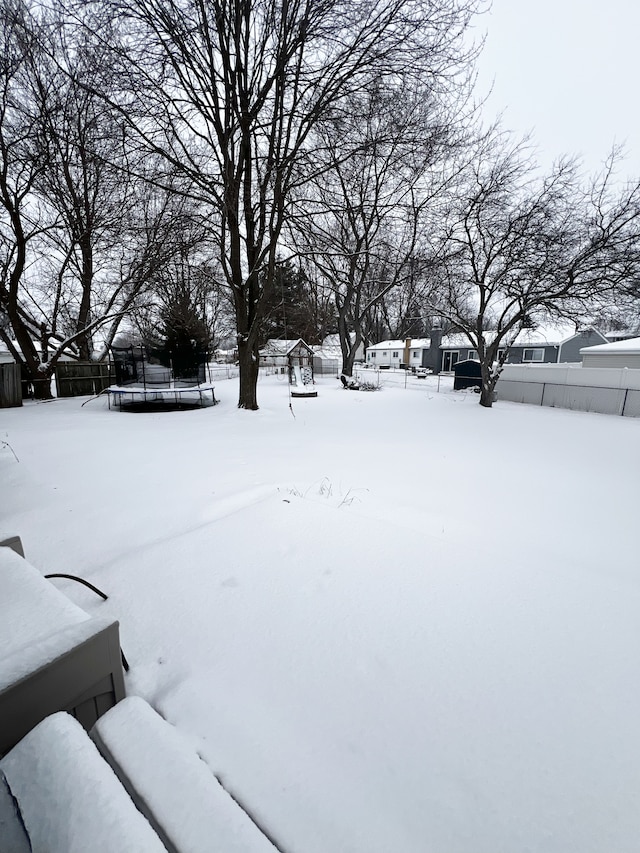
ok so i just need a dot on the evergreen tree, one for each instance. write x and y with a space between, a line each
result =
296 310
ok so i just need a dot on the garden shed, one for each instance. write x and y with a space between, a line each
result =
467 375
276 352
326 363
618 354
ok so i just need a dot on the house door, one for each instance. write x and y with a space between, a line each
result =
449 359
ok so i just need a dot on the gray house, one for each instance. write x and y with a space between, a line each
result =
544 345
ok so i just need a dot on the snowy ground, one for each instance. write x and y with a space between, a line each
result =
391 622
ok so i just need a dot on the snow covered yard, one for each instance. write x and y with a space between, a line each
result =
394 623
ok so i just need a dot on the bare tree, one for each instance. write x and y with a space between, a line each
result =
515 247
387 158
230 92
86 185
84 224
399 313
22 163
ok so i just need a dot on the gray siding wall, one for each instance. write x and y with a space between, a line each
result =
516 352
570 351
611 361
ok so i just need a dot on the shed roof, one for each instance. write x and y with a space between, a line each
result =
631 346
330 354
282 347
333 341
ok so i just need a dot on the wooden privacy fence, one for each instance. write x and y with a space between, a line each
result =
10 386
82 378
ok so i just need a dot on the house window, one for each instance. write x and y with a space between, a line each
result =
384 354
395 355
372 354
533 354
501 353
414 355
473 355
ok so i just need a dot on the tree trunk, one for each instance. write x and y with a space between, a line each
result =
488 384
347 361
39 379
348 351
84 343
248 360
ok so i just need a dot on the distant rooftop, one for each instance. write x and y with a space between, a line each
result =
416 343
540 336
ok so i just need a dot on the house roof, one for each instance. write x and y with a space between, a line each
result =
333 341
546 335
631 346
541 336
621 335
416 343
330 346
459 341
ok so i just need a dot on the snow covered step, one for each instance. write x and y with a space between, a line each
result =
69 798
172 786
32 607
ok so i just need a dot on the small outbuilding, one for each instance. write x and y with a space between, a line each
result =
467 375
296 359
276 352
326 362
619 354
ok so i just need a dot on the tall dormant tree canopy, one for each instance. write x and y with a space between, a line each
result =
385 163
82 228
513 247
231 92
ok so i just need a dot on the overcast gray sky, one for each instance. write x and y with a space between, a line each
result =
569 71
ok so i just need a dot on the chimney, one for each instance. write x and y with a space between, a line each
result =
407 352
435 356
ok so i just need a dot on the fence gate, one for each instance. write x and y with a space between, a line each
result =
82 378
10 386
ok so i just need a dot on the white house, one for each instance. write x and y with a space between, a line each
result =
624 353
407 353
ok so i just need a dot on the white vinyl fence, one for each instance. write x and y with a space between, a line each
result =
608 390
